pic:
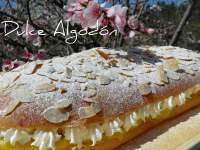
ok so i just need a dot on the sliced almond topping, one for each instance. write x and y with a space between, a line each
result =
21 94
91 76
124 62
64 103
126 73
62 90
89 111
30 68
68 72
3 84
45 87
46 70
8 78
169 48
50 69
79 73
195 67
171 64
173 75
59 67
103 54
189 71
90 93
104 80
161 74
80 79
53 76
144 89
10 107
113 63
54 115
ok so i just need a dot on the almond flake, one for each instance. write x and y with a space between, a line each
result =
103 54
68 72
46 87
80 79
195 67
126 73
46 70
53 76
103 80
54 115
124 62
21 94
30 68
189 71
89 111
59 67
171 64
50 70
90 93
173 75
91 76
64 103
113 63
10 107
62 90
144 89
78 73
8 78
161 74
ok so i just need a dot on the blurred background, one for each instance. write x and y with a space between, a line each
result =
154 22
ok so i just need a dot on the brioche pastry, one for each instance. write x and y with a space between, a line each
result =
96 99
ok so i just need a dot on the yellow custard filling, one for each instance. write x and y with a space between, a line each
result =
76 137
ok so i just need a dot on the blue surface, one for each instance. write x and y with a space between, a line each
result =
150 2
3 3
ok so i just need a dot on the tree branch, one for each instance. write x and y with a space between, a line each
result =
181 25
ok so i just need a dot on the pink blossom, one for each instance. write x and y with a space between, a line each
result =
30 36
8 64
92 13
78 18
150 31
133 23
131 34
71 9
27 55
40 55
119 14
136 25
105 22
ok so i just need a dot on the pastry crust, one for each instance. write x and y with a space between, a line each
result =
96 75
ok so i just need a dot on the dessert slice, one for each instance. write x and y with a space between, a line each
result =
97 99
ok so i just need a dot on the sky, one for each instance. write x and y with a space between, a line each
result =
168 1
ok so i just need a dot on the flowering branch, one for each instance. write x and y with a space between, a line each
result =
87 12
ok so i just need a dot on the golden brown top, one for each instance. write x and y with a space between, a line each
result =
93 85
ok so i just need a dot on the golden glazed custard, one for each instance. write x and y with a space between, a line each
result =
102 135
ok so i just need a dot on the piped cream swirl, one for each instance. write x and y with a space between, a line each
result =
45 139
15 135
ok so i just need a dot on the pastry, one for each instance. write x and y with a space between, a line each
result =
96 99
